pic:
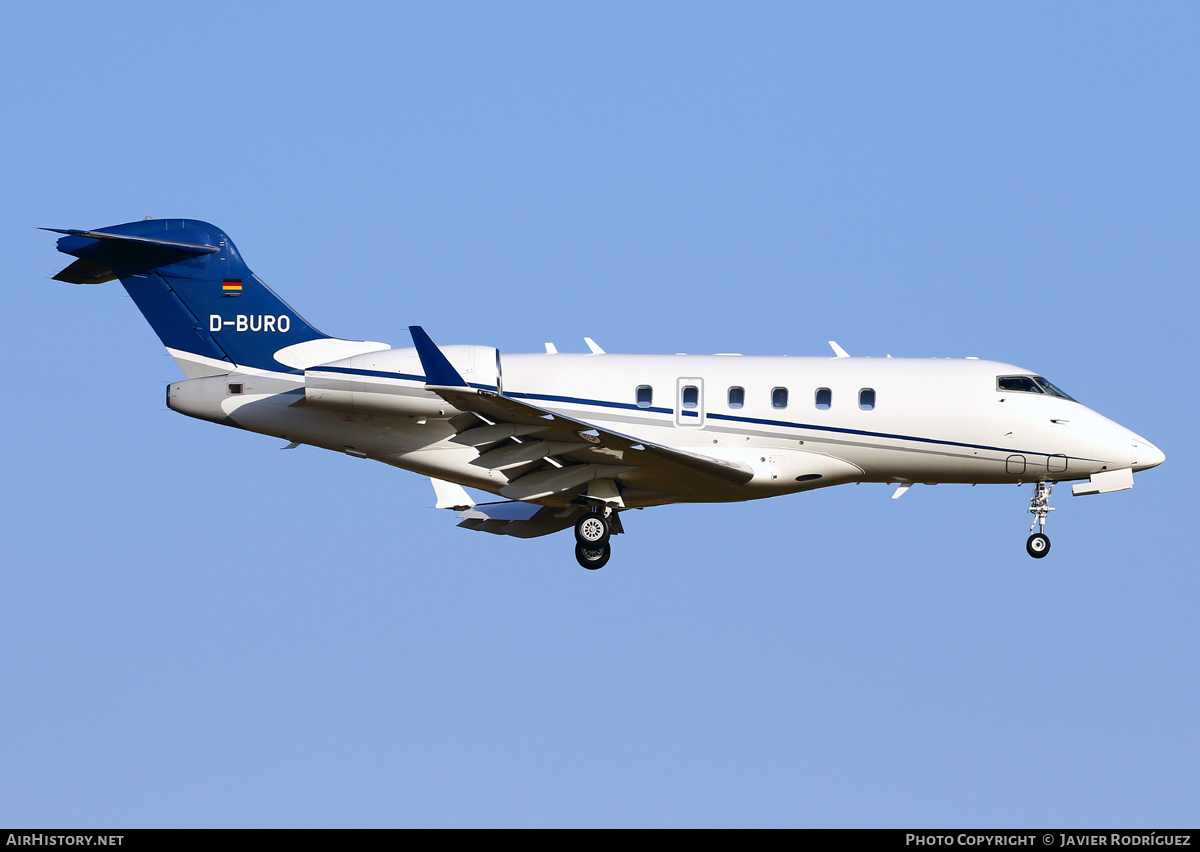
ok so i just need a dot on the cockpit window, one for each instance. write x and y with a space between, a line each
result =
1024 384
1029 384
1052 389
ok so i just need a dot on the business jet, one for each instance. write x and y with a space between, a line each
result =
575 440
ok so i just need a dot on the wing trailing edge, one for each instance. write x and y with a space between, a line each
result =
551 458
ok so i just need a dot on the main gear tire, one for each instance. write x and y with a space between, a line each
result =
592 529
593 556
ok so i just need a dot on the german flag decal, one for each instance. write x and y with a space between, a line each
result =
231 286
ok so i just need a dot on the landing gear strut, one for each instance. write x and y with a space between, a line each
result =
592 532
1038 544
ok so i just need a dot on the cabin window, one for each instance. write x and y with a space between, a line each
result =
645 396
779 397
236 388
866 399
737 397
824 398
690 397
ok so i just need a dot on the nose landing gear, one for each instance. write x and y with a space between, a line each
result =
1038 544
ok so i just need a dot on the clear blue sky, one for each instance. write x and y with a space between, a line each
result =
201 630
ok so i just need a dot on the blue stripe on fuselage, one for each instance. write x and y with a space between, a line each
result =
380 374
785 424
758 421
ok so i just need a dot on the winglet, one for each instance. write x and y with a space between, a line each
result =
451 495
438 370
838 352
592 345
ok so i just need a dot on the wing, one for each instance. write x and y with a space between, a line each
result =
552 459
515 518
521 520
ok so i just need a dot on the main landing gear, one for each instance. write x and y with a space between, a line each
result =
593 556
1038 544
592 532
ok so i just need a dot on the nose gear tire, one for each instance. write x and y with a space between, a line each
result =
1037 546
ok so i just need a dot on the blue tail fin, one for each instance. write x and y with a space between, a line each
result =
193 287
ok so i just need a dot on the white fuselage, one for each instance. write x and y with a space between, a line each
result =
799 423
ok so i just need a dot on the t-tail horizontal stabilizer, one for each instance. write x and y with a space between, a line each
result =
191 284
125 251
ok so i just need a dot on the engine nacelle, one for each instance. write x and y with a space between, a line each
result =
391 381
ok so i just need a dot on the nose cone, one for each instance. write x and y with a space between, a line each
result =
1146 455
